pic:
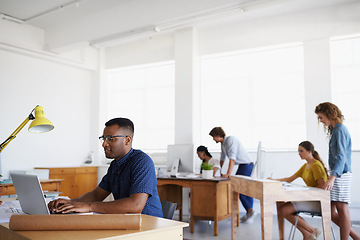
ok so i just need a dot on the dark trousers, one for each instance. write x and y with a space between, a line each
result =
245 169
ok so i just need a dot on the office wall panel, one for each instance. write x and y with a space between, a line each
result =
65 93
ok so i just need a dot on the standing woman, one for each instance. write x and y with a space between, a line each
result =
340 167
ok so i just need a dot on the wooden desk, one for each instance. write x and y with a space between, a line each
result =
47 185
210 198
269 192
151 228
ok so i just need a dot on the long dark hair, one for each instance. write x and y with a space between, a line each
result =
203 149
310 147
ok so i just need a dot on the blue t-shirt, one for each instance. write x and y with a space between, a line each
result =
340 150
134 173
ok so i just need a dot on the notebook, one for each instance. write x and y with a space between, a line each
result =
30 194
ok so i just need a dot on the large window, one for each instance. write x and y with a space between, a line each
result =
145 94
345 60
256 95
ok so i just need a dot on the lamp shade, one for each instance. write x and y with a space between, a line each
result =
40 124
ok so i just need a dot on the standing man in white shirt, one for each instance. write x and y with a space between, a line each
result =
234 150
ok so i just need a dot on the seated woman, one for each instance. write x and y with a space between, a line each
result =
206 157
314 174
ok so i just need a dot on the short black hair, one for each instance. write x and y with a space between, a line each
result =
121 122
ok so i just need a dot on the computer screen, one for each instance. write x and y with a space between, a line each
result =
185 153
259 168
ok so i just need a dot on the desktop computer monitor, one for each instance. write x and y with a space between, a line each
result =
184 153
259 168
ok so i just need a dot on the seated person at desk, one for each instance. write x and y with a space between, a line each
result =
130 178
314 174
206 157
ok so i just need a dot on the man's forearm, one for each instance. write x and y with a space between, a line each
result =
125 205
133 204
231 166
96 195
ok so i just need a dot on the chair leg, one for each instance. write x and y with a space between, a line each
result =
333 233
293 229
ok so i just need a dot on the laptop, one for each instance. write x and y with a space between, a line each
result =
30 194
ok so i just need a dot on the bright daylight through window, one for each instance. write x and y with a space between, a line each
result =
145 94
256 95
345 63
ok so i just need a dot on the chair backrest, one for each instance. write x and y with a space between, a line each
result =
312 214
168 209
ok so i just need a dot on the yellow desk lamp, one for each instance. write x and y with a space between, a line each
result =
39 125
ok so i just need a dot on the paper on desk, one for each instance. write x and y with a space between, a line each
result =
188 176
292 187
9 208
51 194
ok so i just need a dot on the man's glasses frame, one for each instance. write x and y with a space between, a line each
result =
110 138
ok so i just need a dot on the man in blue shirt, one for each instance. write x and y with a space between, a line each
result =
130 178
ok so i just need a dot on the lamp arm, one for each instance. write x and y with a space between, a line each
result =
17 130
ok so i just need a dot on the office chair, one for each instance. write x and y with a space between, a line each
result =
168 209
312 214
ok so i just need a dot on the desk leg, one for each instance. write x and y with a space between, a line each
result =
192 204
280 221
216 227
238 214
266 219
180 214
234 214
326 218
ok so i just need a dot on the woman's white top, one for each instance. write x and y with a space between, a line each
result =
216 163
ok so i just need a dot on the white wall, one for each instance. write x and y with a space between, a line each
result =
313 28
66 85
27 80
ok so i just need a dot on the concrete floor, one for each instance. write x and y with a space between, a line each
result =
204 230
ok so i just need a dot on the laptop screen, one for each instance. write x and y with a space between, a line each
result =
30 194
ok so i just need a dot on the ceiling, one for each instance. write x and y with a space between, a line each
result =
69 22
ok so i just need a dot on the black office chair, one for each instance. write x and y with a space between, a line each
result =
168 209
312 214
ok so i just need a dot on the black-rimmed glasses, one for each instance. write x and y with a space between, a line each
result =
110 138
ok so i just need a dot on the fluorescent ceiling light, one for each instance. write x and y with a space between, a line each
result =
201 16
125 36
148 31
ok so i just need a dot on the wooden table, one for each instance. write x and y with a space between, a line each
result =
210 198
151 228
47 185
270 192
